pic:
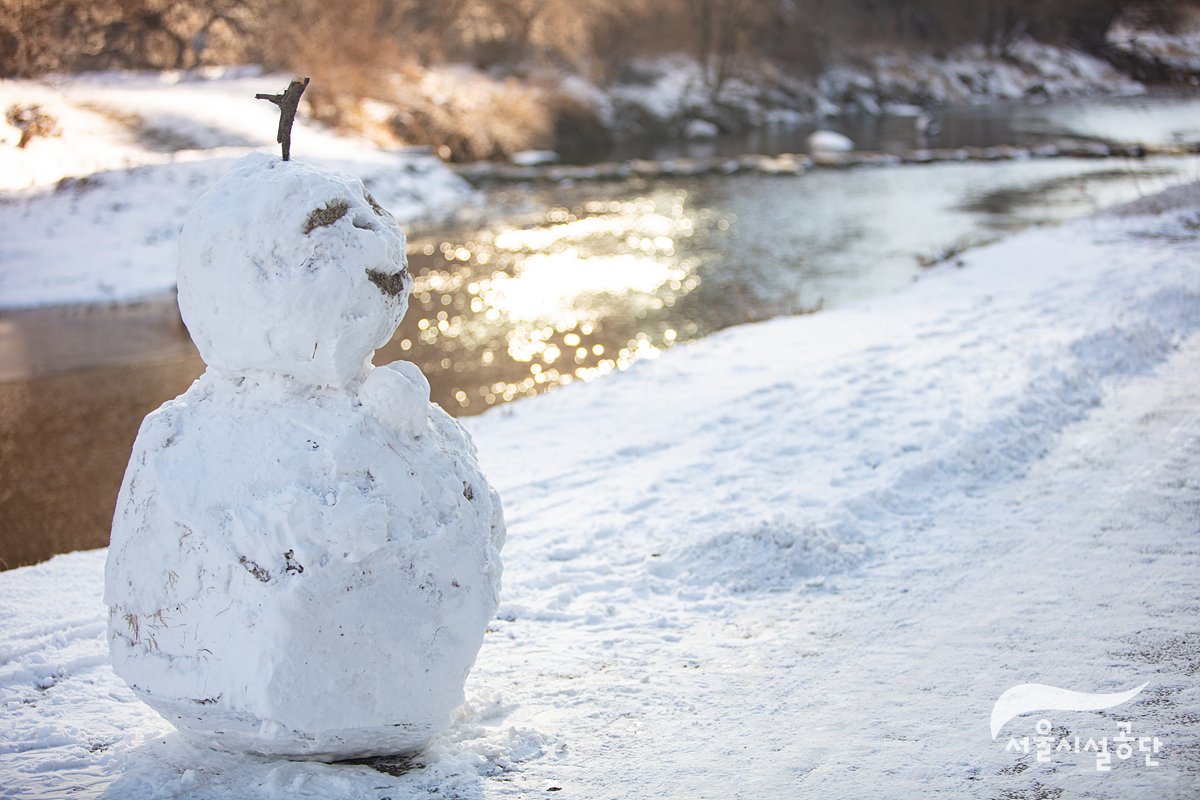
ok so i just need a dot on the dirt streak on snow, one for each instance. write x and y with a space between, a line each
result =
799 558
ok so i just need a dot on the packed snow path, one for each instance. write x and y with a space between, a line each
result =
798 559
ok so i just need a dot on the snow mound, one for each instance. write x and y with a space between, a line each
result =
287 268
829 141
776 554
700 129
1173 199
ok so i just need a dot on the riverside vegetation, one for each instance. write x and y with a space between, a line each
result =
486 79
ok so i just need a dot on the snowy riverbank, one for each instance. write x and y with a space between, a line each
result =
801 558
92 213
668 92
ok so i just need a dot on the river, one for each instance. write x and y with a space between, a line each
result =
545 285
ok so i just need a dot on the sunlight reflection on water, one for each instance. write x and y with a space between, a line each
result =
571 295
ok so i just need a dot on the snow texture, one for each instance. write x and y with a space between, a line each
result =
305 553
801 558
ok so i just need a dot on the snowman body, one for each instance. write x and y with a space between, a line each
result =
305 554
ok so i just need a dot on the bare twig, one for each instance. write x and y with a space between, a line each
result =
287 102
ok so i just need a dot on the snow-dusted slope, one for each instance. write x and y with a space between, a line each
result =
93 212
798 559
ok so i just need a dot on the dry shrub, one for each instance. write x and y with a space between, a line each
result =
31 121
343 47
466 114
590 37
537 33
578 132
375 68
38 36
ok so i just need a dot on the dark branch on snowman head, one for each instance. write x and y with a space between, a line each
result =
288 102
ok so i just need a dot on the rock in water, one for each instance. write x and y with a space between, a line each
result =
829 142
305 554
701 129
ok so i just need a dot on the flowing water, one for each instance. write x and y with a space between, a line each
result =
551 285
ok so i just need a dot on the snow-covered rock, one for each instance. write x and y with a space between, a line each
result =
829 141
903 109
535 158
700 129
305 553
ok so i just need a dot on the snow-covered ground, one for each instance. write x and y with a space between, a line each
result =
93 212
801 558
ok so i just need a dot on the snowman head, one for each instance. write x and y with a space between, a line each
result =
291 269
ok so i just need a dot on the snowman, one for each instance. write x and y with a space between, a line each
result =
305 554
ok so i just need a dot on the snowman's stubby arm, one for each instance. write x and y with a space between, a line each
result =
397 395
